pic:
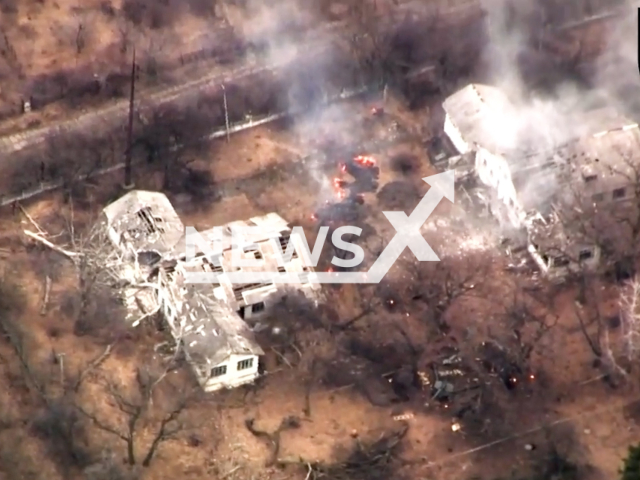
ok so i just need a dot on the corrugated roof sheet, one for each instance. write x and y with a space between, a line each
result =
145 219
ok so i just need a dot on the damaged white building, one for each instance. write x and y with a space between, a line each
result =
529 186
213 323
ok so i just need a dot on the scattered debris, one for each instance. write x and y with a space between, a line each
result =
443 386
366 461
453 359
424 379
450 373
404 416
47 291
46 242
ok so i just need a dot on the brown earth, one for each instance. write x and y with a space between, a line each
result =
566 404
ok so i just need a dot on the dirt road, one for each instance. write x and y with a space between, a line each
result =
312 43
115 114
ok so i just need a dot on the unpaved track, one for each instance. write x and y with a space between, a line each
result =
452 12
116 114
313 43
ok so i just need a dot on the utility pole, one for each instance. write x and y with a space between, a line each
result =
226 111
128 183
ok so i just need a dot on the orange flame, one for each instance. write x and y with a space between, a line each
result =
365 160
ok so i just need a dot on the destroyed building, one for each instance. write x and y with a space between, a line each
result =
528 186
212 322
558 254
144 223
252 300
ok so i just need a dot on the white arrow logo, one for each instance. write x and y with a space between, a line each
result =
407 235
408 227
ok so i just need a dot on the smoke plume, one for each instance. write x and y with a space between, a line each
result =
555 76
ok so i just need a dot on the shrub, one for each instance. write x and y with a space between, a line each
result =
631 467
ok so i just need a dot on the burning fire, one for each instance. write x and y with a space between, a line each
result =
365 161
344 189
338 185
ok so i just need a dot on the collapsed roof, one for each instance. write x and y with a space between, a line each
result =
144 221
212 330
271 225
481 114
203 316
549 234
604 145
485 117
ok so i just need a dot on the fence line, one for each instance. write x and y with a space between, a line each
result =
219 133
111 114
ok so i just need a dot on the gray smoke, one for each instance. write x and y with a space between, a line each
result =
616 70
295 33
517 64
553 93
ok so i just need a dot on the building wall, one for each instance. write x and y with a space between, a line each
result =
114 237
233 376
548 267
493 170
267 295
169 309
455 136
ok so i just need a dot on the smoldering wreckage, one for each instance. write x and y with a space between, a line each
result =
542 198
215 326
493 168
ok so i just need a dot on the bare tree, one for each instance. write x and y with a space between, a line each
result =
528 320
440 284
77 157
101 283
170 138
12 304
606 352
630 318
98 268
55 420
370 44
109 467
137 407
65 157
614 226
